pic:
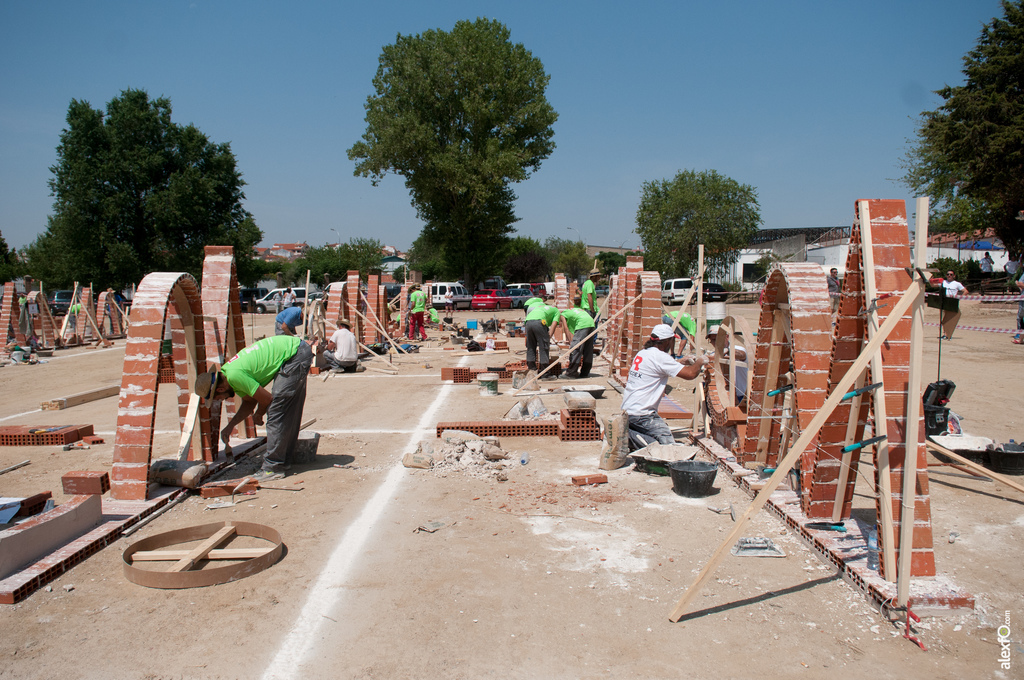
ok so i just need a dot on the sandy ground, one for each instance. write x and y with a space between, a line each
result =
529 578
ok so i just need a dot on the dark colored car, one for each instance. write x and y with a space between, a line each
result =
714 292
248 295
58 301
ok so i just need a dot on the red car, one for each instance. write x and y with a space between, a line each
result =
491 298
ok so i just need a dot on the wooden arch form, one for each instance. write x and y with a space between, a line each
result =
161 298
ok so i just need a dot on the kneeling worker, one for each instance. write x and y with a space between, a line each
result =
648 375
285 359
342 353
287 320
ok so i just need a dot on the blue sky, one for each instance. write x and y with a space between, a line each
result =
811 103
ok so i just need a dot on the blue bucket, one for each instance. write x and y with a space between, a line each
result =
471 323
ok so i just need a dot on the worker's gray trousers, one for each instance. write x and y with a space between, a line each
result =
538 341
581 356
648 428
284 417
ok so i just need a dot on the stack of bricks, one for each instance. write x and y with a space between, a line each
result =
504 428
463 375
577 425
22 435
335 307
166 368
9 314
85 483
137 404
224 331
43 323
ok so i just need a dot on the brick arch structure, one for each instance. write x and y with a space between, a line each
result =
794 332
108 316
161 297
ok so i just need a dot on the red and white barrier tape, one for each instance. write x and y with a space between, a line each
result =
985 298
981 328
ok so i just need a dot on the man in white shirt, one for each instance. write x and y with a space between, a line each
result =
342 353
950 307
648 374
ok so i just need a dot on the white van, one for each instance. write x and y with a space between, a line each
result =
673 291
461 296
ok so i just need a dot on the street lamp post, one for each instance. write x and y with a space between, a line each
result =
577 231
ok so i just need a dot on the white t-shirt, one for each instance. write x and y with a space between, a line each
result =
986 265
345 342
648 375
953 288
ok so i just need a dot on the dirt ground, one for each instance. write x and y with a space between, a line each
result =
530 577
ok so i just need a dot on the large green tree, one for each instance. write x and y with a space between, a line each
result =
10 268
135 193
693 208
969 153
363 254
461 115
525 260
568 257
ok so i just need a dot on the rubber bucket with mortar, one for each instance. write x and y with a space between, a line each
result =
488 384
692 478
715 314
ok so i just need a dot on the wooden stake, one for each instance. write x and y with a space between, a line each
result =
701 331
845 470
770 383
913 431
67 315
305 304
887 534
384 332
911 295
191 417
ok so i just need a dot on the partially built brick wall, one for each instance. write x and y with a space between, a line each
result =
9 314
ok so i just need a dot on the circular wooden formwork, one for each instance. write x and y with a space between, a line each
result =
204 577
729 331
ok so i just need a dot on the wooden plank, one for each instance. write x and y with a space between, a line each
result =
80 398
189 426
913 410
887 534
844 471
984 471
770 383
200 551
701 331
67 315
218 554
784 466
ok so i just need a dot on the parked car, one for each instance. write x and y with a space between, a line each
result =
249 296
492 282
673 291
460 296
601 291
491 298
519 296
392 290
539 289
714 292
58 301
267 303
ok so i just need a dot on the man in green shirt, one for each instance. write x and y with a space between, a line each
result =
539 320
418 305
285 359
578 323
588 294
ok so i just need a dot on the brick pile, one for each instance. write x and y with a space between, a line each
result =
22 435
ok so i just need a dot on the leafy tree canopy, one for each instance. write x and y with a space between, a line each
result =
135 193
609 262
526 260
363 254
568 257
10 267
676 216
460 115
969 153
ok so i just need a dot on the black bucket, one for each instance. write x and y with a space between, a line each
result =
692 478
1007 461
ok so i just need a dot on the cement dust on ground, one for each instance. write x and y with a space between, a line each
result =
528 578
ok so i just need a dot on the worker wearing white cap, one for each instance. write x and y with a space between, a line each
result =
648 374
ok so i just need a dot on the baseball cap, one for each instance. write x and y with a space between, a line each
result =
662 332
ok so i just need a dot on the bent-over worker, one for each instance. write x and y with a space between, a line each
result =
648 375
578 324
539 320
285 359
286 322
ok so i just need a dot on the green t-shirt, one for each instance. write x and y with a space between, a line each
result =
531 301
577 319
686 322
545 313
418 299
588 287
256 365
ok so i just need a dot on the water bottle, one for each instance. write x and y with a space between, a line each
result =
524 458
873 550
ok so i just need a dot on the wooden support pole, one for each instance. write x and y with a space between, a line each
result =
384 332
305 305
701 331
845 470
189 426
771 379
67 315
913 431
912 294
887 534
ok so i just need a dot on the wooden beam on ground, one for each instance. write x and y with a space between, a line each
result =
971 465
887 532
797 449
913 431
200 552
15 467
218 554
80 398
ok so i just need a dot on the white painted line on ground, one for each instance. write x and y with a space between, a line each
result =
78 354
18 415
326 592
177 433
